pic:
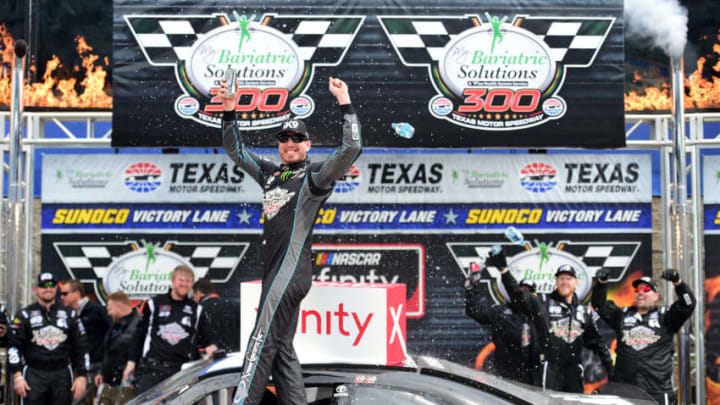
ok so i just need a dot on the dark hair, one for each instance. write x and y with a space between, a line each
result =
75 285
204 286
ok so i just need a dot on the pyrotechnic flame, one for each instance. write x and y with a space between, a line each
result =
624 294
713 391
700 92
52 91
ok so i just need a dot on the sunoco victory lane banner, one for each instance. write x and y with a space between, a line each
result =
122 222
421 73
711 190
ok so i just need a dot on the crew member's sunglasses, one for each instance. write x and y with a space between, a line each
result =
47 284
297 138
643 288
64 293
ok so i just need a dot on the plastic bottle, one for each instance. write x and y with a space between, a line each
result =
403 129
514 235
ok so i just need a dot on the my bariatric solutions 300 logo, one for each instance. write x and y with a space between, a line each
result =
494 74
274 58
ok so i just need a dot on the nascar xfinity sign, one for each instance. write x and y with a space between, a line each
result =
464 76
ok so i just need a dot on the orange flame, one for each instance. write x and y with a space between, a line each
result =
624 294
589 388
700 93
53 91
713 392
483 355
712 288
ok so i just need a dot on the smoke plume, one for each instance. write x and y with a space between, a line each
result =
664 22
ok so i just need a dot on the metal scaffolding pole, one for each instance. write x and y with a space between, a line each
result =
697 134
681 241
14 231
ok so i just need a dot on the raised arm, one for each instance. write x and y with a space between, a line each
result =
684 306
338 164
593 340
478 306
607 309
257 167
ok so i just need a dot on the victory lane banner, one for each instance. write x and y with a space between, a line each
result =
462 77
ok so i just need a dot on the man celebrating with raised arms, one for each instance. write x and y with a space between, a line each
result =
293 193
645 332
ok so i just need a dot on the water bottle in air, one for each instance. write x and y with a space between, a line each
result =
403 129
514 235
496 250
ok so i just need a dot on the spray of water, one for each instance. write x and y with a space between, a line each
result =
664 22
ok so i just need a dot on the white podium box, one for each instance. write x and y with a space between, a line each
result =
341 322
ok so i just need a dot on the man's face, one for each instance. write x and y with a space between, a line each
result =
565 284
291 151
46 291
645 297
69 297
113 310
182 283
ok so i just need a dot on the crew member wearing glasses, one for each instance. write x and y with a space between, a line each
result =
293 192
48 335
565 326
645 332
96 321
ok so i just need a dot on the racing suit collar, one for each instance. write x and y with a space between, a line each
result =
52 308
556 296
296 165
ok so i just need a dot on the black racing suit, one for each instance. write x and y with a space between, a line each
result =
292 197
516 355
119 345
224 319
97 322
645 342
46 340
170 333
564 330
4 322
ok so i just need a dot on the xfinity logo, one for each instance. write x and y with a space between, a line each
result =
377 263
335 323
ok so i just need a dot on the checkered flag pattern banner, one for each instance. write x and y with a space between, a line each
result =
321 40
572 41
167 39
614 256
90 261
420 41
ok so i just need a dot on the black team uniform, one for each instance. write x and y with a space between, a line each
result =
563 329
224 320
97 322
645 342
169 335
292 197
46 340
517 354
120 344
